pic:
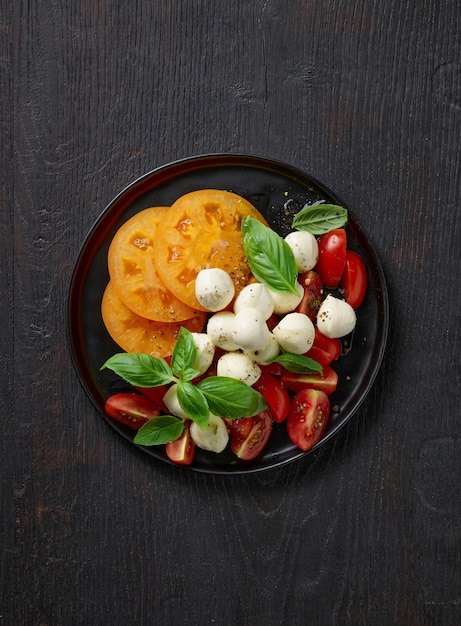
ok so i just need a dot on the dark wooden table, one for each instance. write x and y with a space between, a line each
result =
366 97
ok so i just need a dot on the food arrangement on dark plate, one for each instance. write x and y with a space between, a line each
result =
227 314
226 326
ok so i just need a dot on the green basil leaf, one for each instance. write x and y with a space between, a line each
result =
158 430
318 219
298 363
228 397
183 356
141 370
269 257
193 403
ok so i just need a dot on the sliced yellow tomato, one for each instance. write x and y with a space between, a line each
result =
202 229
133 274
134 333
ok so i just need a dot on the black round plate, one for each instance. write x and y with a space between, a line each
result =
279 191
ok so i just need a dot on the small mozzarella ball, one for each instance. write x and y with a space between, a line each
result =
240 366
214 289
250 329
305 249
220 329
172 403
205 352
295 333
335 318
267 353
257 296
286 302
213 437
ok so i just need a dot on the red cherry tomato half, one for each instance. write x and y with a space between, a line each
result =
276 369
131 409
156 395
308 417
272 321
354 279
254 443
324 350
239 427
275 395
182 450
312 296
332 256
325 381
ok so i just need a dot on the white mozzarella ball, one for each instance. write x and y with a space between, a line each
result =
286 302
295 333
267 353
250 329
214 289
305 249
172 403
213 437
335 318
257 296
205 352
240 366
220 330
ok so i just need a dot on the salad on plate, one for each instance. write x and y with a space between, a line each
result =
226 328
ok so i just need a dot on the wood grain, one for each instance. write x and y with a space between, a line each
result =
365 96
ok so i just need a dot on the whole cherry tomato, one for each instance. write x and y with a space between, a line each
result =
253 444
308 417
324 350
326 380
275 395
312 296
354 279
332 256
182 450
131 409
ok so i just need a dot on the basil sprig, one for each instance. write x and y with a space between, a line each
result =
298 363
318 219
220 395
269 257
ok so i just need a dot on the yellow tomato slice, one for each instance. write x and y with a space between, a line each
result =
202 229
134 333
133 274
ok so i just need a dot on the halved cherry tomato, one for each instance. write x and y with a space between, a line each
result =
254 443
182 450
239 427
332 256
308 417
131 409
354 279
275 395
324 350
202 229
312 297
276 369
326 381
272 321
